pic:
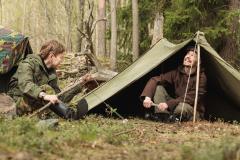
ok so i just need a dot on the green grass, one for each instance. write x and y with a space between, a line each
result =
96 137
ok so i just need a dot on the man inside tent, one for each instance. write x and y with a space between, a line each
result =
26 85
181 105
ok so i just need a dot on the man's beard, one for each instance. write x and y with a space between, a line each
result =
187 69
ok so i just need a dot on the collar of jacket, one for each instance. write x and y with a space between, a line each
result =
181 70
39 60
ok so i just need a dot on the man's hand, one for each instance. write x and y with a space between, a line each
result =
86 78
147 103
162 106
51 98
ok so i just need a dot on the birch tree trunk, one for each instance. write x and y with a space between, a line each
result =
68 8
157 28
47 20
135 33
101 29
81 4
113 51
1 7
24 13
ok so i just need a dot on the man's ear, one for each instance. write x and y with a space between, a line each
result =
51 54
48 55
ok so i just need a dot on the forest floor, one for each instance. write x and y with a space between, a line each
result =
97 137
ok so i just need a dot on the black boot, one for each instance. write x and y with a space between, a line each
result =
82 108
69 113
173 119
63 111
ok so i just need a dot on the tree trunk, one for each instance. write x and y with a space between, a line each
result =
24 13
135 33
230 50
113 52
47 21
157 28
1 7
101 29
69 24
80 24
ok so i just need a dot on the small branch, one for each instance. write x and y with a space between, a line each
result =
124 132
82 33
68 72
95 23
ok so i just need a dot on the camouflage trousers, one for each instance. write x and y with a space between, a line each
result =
182 109
25 106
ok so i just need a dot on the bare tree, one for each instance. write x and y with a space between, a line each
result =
113 52
101 29
80 24
88 29
68 8
44 4
135 33
229 51
1 7
24 13
157 28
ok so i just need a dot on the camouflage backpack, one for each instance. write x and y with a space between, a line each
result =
13 47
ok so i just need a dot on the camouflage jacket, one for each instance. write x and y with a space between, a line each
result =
31 74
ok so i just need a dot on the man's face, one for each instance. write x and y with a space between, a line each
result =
56 60
190 59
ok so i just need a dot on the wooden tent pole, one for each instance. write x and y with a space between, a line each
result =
197 84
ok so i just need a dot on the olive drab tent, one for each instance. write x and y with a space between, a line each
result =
13 48
123 91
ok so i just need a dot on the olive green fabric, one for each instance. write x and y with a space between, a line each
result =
123 91
226 75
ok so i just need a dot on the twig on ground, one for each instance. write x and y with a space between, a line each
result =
124 132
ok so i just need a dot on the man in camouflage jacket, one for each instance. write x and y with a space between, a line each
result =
27 82
34 72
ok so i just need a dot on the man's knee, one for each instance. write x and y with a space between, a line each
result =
185 111
160 94
159 97
183 108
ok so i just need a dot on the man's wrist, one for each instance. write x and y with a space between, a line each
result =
42 95
147 98
81 80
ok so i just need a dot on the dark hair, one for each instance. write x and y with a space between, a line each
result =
191 48
53 47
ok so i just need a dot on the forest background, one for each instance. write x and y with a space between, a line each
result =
119 31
